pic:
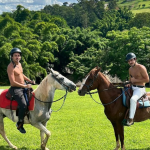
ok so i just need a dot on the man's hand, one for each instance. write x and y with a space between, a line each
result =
33 82
133 80
28 86
127 84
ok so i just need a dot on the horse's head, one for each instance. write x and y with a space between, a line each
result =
89 83
62 82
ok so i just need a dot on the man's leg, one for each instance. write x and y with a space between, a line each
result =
19 97
137 93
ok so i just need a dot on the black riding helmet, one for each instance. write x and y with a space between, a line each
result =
130 56
15 50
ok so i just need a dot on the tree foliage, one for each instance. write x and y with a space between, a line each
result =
74 38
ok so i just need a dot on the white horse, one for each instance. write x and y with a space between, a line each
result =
42 111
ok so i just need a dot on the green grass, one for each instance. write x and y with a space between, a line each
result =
80 125
134 5
140 11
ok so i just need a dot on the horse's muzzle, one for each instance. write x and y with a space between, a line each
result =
81 93
72 88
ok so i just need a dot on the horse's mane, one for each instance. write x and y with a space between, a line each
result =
42 90
106 76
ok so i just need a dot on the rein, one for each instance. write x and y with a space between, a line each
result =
52 101
105 90
102 90
57 99
90 93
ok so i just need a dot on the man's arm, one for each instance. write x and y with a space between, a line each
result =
26 78
144 75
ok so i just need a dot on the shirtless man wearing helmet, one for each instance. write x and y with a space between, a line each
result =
138 77
17 83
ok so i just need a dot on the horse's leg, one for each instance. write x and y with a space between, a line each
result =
42 134
2 132
117 137
119 133
42 129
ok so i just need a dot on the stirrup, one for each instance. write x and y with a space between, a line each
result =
125 122
129 123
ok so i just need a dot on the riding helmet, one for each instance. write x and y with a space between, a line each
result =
15 50
130 56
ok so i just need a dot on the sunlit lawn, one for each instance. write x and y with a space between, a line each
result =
135 5
140 11
79 125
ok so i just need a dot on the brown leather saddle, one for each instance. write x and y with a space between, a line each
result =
141 102
29 95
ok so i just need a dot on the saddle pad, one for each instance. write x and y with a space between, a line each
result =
145 104
140 102
124 98
5 103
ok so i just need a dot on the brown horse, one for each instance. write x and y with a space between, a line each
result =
111 99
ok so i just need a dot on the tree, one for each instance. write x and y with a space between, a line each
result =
21 14
136 41
65 3
112 4
36 16
140 20
113 20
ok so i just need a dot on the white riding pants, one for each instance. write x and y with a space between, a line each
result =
137 93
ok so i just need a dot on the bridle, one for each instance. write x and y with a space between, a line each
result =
90 93
91 83
59 81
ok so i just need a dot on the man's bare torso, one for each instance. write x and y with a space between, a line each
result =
17 73
138 73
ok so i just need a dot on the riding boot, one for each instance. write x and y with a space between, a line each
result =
20 127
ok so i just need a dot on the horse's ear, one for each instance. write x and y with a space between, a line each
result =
98 68
50 70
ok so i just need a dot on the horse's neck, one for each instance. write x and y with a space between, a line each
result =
46 96
104 83
45 92
107 91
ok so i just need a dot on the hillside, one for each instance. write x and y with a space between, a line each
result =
137 6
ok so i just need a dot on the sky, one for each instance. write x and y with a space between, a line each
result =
10 5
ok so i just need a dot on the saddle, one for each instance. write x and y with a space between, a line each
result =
8 102
29 94
144 101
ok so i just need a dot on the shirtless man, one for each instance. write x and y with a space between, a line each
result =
17 82
138 77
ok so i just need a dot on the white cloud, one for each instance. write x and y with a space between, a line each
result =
9 5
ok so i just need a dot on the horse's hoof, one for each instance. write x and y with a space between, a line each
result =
117 148
13 147
44 148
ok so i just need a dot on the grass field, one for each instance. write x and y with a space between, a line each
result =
80 125
135 5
